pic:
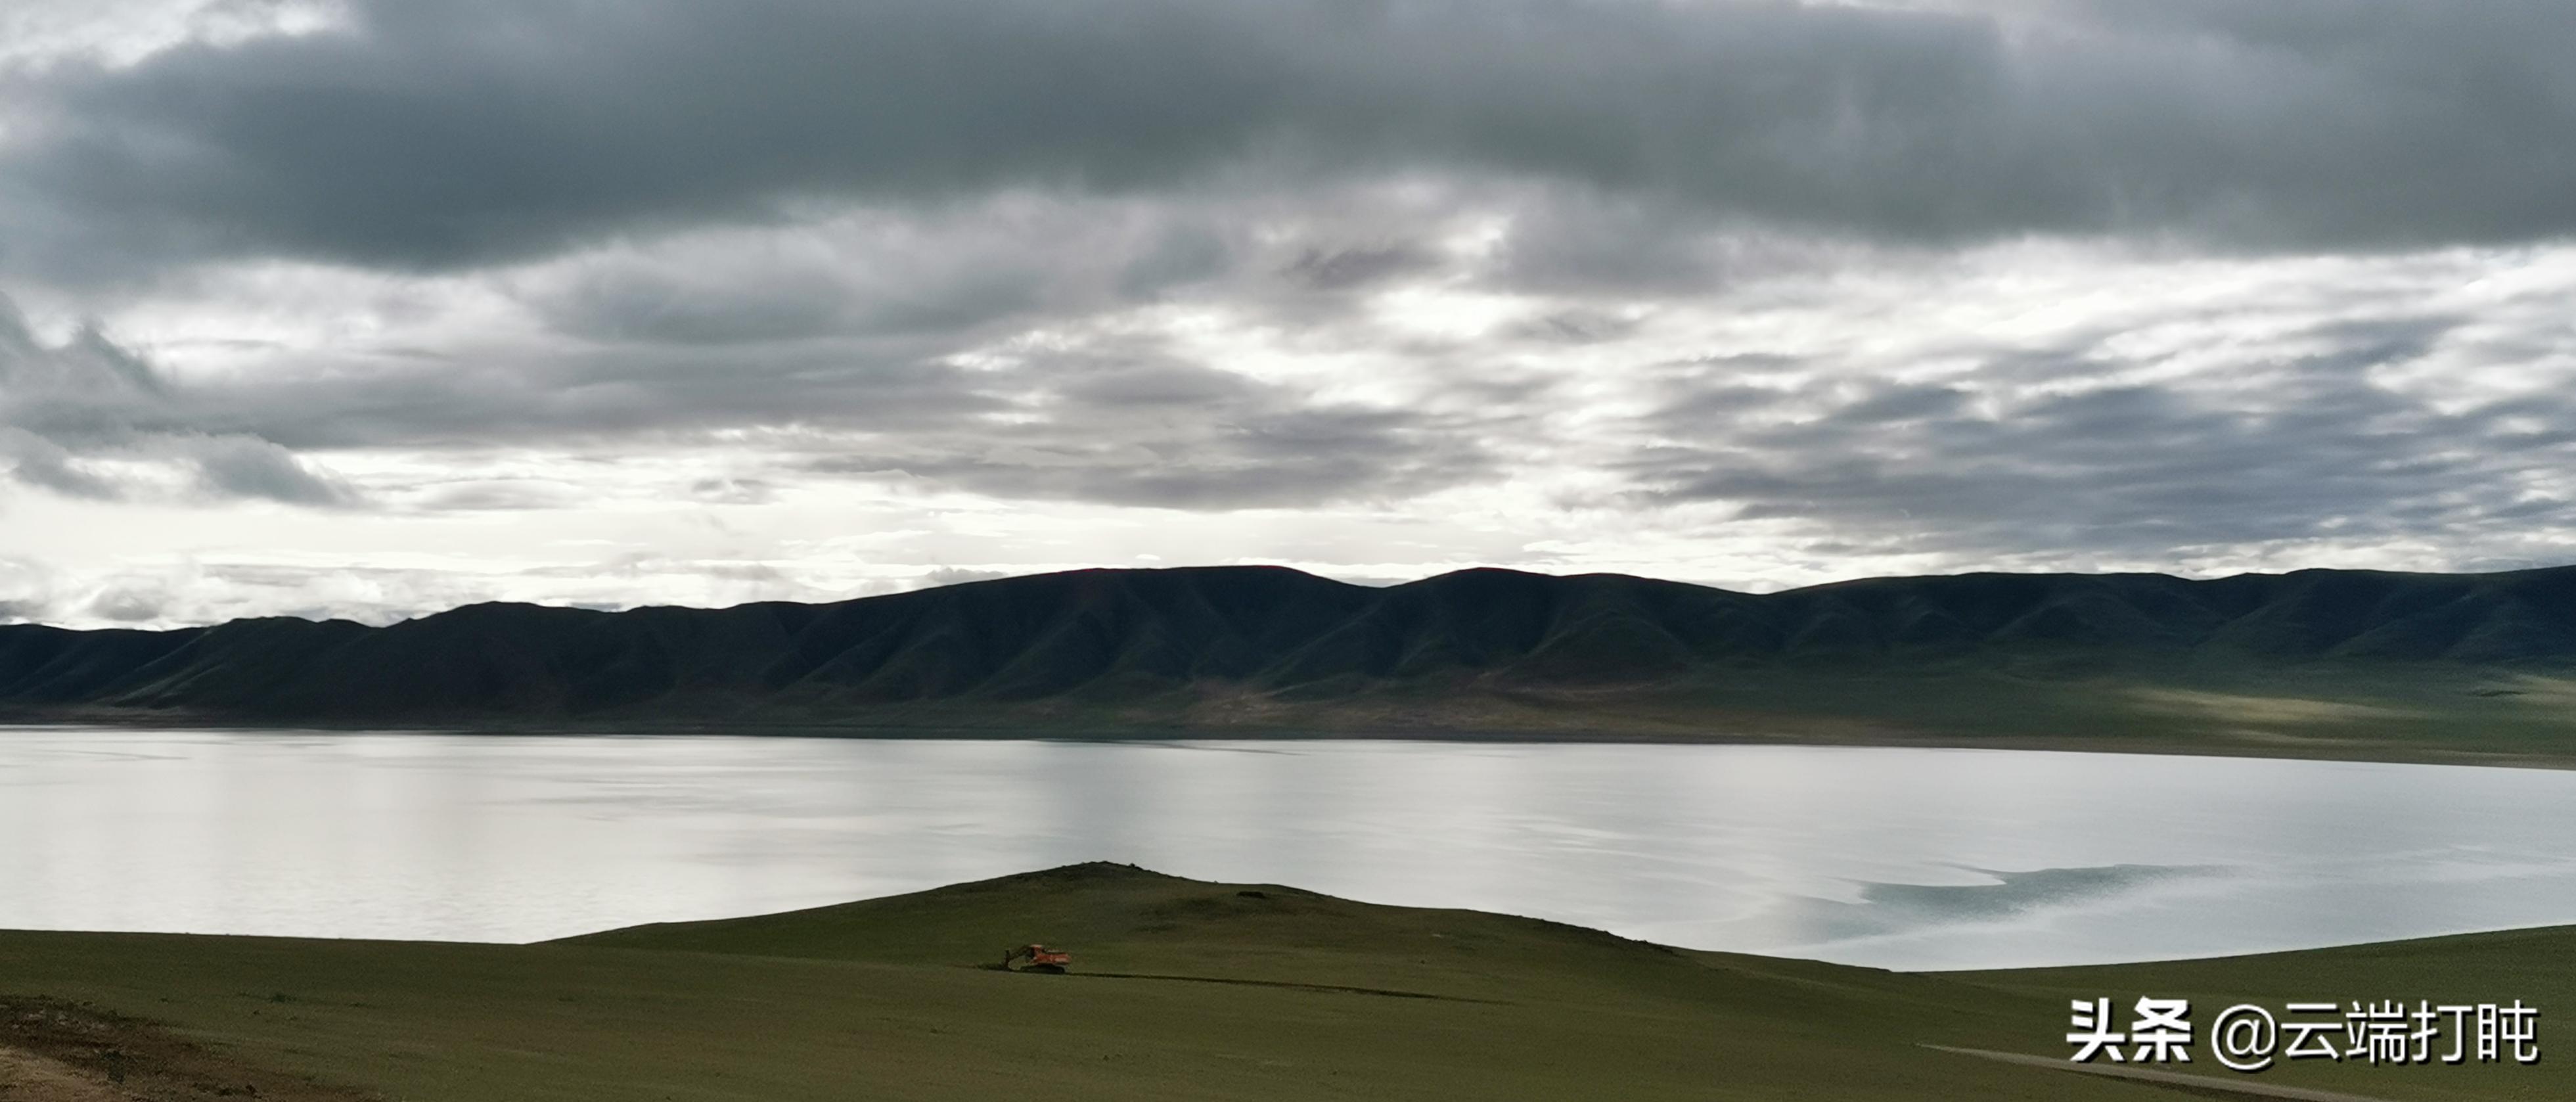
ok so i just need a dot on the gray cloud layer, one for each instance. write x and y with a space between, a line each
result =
432 134
1937 283
2035 454
65 407
1122 423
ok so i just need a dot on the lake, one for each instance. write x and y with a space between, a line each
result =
1903 858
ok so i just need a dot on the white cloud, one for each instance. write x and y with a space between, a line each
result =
2077 284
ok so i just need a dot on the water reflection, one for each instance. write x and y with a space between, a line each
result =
1899 858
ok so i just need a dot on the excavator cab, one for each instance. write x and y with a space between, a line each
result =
1035 958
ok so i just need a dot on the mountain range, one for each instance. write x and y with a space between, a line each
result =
1270 646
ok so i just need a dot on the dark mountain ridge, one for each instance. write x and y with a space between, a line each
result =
1206 643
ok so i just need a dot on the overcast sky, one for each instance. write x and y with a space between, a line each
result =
374 307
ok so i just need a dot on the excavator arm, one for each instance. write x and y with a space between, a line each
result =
1040 958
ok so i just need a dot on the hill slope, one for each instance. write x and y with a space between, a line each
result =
1254 646
1184 989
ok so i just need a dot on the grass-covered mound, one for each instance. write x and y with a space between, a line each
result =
1187 990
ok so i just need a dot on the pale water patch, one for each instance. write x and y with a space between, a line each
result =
1908 858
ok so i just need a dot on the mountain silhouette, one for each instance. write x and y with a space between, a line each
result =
1219 645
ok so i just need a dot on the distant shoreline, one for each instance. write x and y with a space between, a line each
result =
2261 745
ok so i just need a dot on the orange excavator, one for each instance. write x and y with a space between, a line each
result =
1038 958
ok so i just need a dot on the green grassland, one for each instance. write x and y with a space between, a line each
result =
2430 714
2438 715
1190 990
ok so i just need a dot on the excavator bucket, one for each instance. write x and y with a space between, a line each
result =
1038 958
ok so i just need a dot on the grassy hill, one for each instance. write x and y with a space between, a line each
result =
2475 667
1184 989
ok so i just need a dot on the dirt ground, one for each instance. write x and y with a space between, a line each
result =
55 1051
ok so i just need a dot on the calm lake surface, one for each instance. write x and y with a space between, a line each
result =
1901 858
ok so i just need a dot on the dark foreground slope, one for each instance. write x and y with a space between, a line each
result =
2070 655
1185 989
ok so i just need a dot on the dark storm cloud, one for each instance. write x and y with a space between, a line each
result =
1141 252
456 132
2000 464
1130 426
65 407
1345 269
240 466
1120 421
890 345
657 308
968 269
584 397
44 464
730 301
1569 241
